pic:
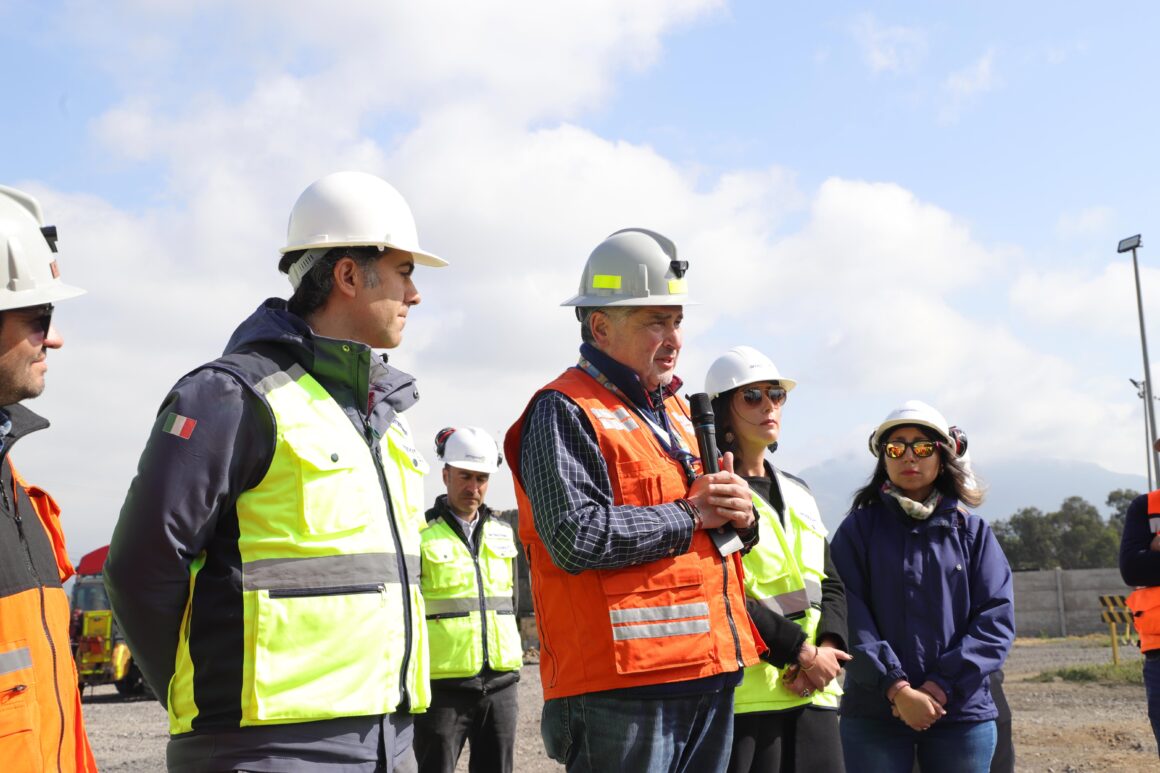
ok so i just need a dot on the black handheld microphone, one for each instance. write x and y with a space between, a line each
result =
701 408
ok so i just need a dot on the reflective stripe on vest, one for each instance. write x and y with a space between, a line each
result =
674 619
14 660
332 617
784 573
457 588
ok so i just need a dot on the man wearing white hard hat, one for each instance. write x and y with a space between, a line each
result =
642 621
41 724
265 567
469 587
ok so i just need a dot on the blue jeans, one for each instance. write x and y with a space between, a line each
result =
1152 690
596 733
889 746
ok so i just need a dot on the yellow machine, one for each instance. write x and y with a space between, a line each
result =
101 655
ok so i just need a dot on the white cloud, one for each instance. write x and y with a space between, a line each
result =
1085 222
1078 299
859 300
889 48
963 86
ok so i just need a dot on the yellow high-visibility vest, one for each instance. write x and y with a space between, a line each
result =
333 623
471 617
784 572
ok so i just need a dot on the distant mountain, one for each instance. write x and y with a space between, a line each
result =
1042 483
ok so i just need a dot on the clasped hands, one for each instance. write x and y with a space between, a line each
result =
817 667
918 708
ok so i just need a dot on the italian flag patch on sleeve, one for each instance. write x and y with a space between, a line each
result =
182 426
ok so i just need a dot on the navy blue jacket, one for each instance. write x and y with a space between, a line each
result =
1139 566
926 600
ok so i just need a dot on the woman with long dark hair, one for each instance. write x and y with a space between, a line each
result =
931 614
785 716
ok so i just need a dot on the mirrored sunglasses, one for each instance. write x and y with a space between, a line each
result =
896 449
752 395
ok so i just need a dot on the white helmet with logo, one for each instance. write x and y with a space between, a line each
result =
29 275
351 209
633 267
739 366
468 448
917 413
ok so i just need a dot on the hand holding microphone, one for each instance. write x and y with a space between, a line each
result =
721 496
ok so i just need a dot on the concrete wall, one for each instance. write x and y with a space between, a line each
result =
1064 602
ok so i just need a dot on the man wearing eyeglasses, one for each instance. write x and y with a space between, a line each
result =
265 567
41 723
642 621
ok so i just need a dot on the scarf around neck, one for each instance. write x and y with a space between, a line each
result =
919 511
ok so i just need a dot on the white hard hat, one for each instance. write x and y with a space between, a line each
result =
918 413
633 267
29 275
351 209
469 448
739 366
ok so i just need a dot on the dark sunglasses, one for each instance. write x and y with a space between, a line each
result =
39 316
896 449
752 395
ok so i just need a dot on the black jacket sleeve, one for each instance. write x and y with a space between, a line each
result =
783 636
833 620
184 487
1139 565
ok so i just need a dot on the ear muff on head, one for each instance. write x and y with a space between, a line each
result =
441 440
960 441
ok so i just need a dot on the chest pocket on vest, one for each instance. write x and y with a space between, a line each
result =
335 484
638 483
499 552
659 616
446 571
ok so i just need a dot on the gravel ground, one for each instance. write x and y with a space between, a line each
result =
1059 727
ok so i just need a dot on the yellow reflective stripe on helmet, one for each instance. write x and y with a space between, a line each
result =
678 287
606 282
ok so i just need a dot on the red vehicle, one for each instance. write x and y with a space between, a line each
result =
101 655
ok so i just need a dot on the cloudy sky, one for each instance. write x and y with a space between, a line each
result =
892 201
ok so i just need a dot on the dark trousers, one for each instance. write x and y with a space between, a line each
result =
1152 690
801 739
486 721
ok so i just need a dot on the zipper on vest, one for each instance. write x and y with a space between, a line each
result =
482 600
729 610
401 559
334 590
43 618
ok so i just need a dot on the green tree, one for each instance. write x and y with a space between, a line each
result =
1029 538
1119 500
1085 540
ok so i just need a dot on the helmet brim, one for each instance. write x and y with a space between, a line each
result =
58 291
599 301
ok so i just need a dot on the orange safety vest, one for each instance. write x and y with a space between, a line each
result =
1145 602
41 722
671 620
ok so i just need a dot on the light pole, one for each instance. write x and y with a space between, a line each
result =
1133 243
1147 445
